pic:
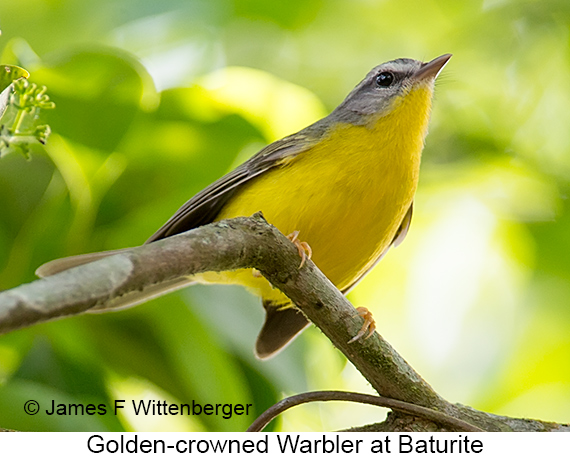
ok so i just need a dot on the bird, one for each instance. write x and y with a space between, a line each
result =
341 189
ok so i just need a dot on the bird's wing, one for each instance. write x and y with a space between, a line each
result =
396 241
403 228
207 204
65 263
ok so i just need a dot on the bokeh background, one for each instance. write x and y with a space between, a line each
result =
155 100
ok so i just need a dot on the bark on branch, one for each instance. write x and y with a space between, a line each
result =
245 243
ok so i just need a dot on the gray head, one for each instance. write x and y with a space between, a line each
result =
384 85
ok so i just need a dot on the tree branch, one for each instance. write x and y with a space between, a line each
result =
229 245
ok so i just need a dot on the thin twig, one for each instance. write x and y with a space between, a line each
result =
333 395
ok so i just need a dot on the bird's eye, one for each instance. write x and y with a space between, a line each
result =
385 79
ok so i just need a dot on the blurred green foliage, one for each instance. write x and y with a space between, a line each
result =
150 109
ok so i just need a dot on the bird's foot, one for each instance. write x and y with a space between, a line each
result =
305 251
368 327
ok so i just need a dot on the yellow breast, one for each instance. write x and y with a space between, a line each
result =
347 195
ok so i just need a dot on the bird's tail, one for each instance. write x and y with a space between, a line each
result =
282 325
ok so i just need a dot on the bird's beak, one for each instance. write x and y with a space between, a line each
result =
430 70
